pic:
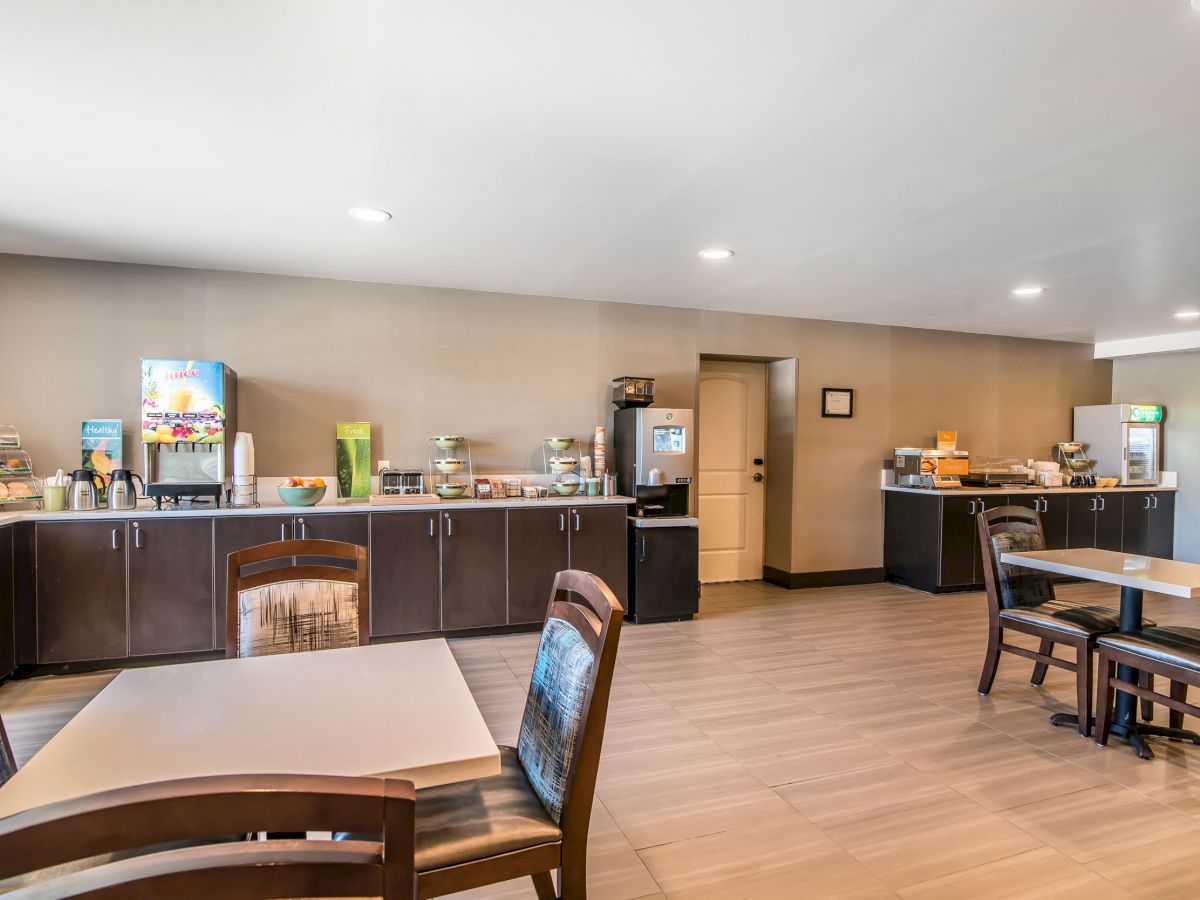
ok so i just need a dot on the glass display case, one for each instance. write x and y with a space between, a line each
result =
9 436
14 461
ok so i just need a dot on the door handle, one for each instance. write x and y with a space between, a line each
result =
576 512
449 525
1102 504
1094 506
116 543
283 531
1147 500
971 511
431 526
137 536
643 548
1045 505
562 522
982 505
757 476
1154 497
303 528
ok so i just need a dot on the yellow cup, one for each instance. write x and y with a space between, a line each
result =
54 497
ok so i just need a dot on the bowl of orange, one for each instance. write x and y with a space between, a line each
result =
301 491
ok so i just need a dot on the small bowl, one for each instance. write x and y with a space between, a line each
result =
565 488
451 489
447 441
301 496
449 465
560 443
563 464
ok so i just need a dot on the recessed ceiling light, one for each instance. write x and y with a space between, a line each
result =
370 214
1188 313
716 253
1032 290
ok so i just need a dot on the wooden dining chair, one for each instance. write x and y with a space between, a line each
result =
1023 599
170 839
1172 651
302 605
532 818
8 762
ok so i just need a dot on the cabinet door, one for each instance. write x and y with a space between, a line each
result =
351 528
1160 538
406 573
1109 515
1136 522
170 586
474 577
1081 521
666 573
959 542
8 628
1055 520
599 544
80 590
231 533
538 548
911 529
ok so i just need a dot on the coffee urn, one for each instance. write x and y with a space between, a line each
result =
655 456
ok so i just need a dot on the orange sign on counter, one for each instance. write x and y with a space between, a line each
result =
947 440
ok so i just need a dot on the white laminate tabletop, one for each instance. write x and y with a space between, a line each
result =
1163 576
399 709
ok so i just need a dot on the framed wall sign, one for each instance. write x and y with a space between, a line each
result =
837 403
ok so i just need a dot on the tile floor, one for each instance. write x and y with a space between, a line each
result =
830 743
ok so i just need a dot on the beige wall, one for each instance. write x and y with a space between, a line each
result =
507 370
1171 379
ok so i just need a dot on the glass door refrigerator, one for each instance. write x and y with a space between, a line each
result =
1122 439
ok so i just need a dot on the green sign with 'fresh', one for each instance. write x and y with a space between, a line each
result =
354 459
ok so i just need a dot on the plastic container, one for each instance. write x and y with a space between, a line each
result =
9 436
20 490
15 462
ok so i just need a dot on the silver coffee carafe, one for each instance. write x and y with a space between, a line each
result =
86 486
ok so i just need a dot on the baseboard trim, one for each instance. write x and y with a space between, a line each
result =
833 578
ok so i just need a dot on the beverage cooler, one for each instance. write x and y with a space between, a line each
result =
1122 440
656 459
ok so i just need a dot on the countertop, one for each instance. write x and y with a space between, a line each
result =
274 507
969 491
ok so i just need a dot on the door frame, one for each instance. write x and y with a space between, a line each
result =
780 455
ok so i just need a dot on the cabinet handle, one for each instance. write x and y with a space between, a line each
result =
576 512
982 505
449 525
283 531
116 545
137 536
431 526
1101 504
1147 501
643 548
971 511
1154 497
1045 505
303 528
562 522
1094 507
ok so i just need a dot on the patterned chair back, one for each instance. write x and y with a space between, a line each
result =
563 726
8 763
296 607
1012 529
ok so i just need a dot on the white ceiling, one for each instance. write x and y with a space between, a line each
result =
889 161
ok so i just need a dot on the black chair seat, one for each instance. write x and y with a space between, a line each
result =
1069 618
1172 645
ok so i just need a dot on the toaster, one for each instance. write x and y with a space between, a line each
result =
402 481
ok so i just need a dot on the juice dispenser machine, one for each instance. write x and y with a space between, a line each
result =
188 407
655 457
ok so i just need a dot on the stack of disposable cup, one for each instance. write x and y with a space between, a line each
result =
600 452
245 482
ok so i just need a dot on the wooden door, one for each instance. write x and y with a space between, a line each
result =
80 591
538 548
599 544
8 628
1110 513
1160 537
1135 527
474 569
731 486
231 533
405 560
1055 520
959 542
1081 521
170 586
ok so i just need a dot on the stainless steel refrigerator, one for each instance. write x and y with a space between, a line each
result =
1122 439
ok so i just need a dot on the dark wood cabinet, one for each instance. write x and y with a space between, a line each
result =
1149 524
959 554
474 569
8 632
80 591
1054 510
231 533
406 572
352 528
664 565
170 586
538 548
599 545
1110 512
1095 520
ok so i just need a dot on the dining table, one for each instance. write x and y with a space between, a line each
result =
398 710
1134 574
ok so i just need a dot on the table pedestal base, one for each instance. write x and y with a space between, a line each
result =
1135 736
